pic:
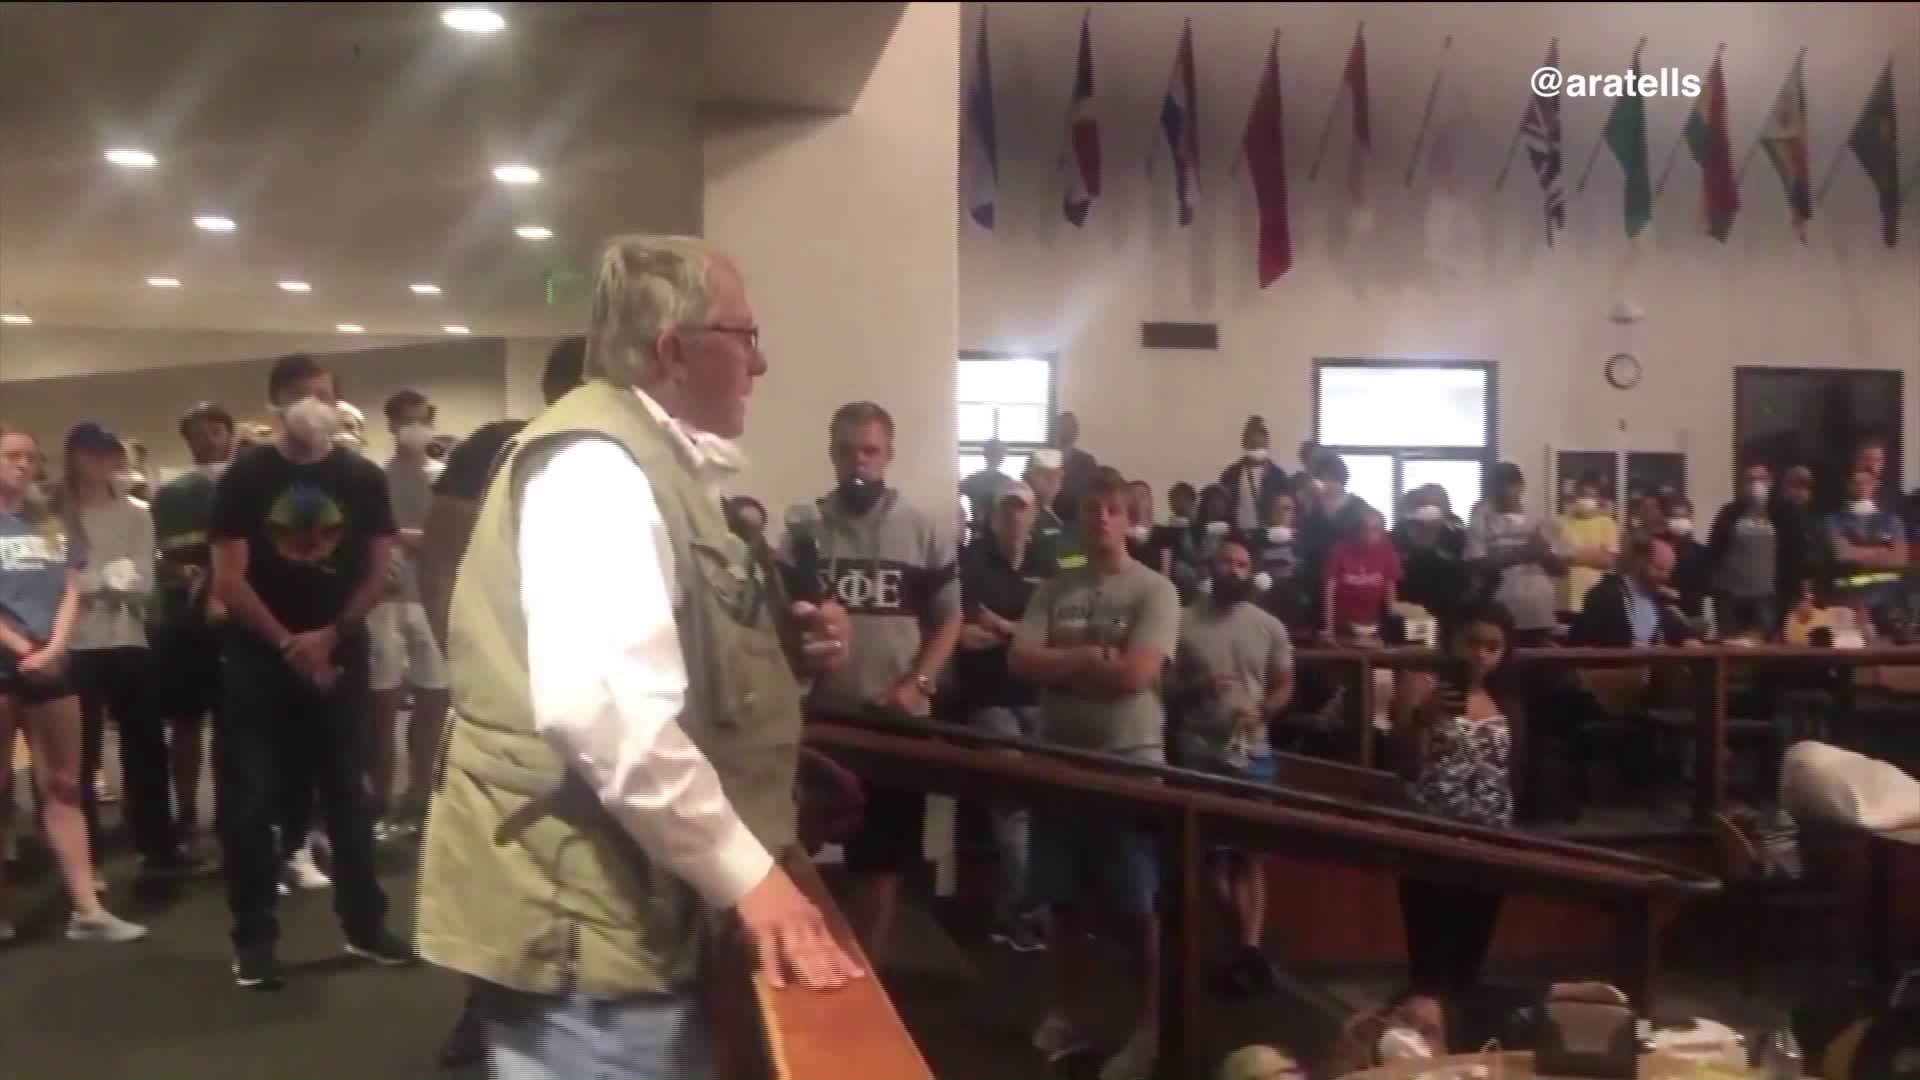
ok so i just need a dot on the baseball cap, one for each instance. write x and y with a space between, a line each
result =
91 436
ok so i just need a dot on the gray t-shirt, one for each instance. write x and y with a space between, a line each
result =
1747 568
893 568
410 486
1130 607
1243 643
33 576
1517 542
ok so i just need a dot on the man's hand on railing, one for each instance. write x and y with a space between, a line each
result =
790 938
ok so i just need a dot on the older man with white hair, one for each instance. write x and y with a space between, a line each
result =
619 773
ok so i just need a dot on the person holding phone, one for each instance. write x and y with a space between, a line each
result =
1453 739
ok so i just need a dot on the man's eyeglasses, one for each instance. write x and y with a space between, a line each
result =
748 335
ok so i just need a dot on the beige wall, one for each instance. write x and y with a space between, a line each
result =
845 227
1408 289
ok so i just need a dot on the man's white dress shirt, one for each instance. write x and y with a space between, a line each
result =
609 682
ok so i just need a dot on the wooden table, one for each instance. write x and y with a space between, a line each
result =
1519 1066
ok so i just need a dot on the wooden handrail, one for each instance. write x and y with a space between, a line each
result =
853 1033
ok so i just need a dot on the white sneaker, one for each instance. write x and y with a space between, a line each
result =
303 874
103 925
1056 1038
1133 1061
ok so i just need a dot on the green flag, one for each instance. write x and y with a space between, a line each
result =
1876 144
1626 135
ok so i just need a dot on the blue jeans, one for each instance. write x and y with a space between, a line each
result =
576 1037
1011 824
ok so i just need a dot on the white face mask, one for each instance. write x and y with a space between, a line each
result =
1401 1044
127 480
1139 533
1262 581
1428 514
1217 528
1680 526
212 469
1177 522
1862 507
1585 506
1257 455
1279 534
413 437
311 422
1758 492
1516 518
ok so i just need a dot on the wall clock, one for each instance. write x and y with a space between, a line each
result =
1623 371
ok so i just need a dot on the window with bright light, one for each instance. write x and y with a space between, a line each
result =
1008 398
1404 425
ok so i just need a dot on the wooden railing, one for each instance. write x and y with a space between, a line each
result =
1712 666
1188 812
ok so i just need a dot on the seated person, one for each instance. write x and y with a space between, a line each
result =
1636 605
1869 548
1233 672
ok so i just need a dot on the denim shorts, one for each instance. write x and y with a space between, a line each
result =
1085 862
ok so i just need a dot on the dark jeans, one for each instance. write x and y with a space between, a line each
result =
187 661
1741 615
278 743
1448 932
122 682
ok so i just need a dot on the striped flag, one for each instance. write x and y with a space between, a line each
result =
981 149
1541 130
1180 126
1785 141
1082 154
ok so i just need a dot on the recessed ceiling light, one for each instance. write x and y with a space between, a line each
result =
457 329
15 320
533 232
132 159
473 20
516 174
421 288
295 286
213 223
164 282
350 328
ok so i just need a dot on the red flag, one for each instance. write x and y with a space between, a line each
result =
1265 147
1355 77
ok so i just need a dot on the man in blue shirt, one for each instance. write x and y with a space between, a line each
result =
1869 552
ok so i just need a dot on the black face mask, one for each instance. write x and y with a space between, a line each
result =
860 495
1230 589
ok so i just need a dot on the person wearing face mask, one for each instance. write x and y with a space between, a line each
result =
1743 551
302 538
1232 674
1055 546
1869 548
184 614
1432 545
1250 481
405 653
1693 566
1140 522
1593 543
111 664
1176 543
893 567
1520 553
1276 561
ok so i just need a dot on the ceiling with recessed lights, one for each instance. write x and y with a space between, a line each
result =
387 168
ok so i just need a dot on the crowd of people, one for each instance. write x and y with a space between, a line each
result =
577 631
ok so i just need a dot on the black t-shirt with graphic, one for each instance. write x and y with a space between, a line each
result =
309 529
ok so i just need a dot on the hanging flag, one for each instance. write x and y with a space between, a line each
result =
1265 147
1542 132
1875 144
1082 155
1712 148
1785 140
982 145
1179 124
1626 135
1355 78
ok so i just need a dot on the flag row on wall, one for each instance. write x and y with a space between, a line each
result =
1873 143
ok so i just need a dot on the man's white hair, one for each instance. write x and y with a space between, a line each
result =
646 284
